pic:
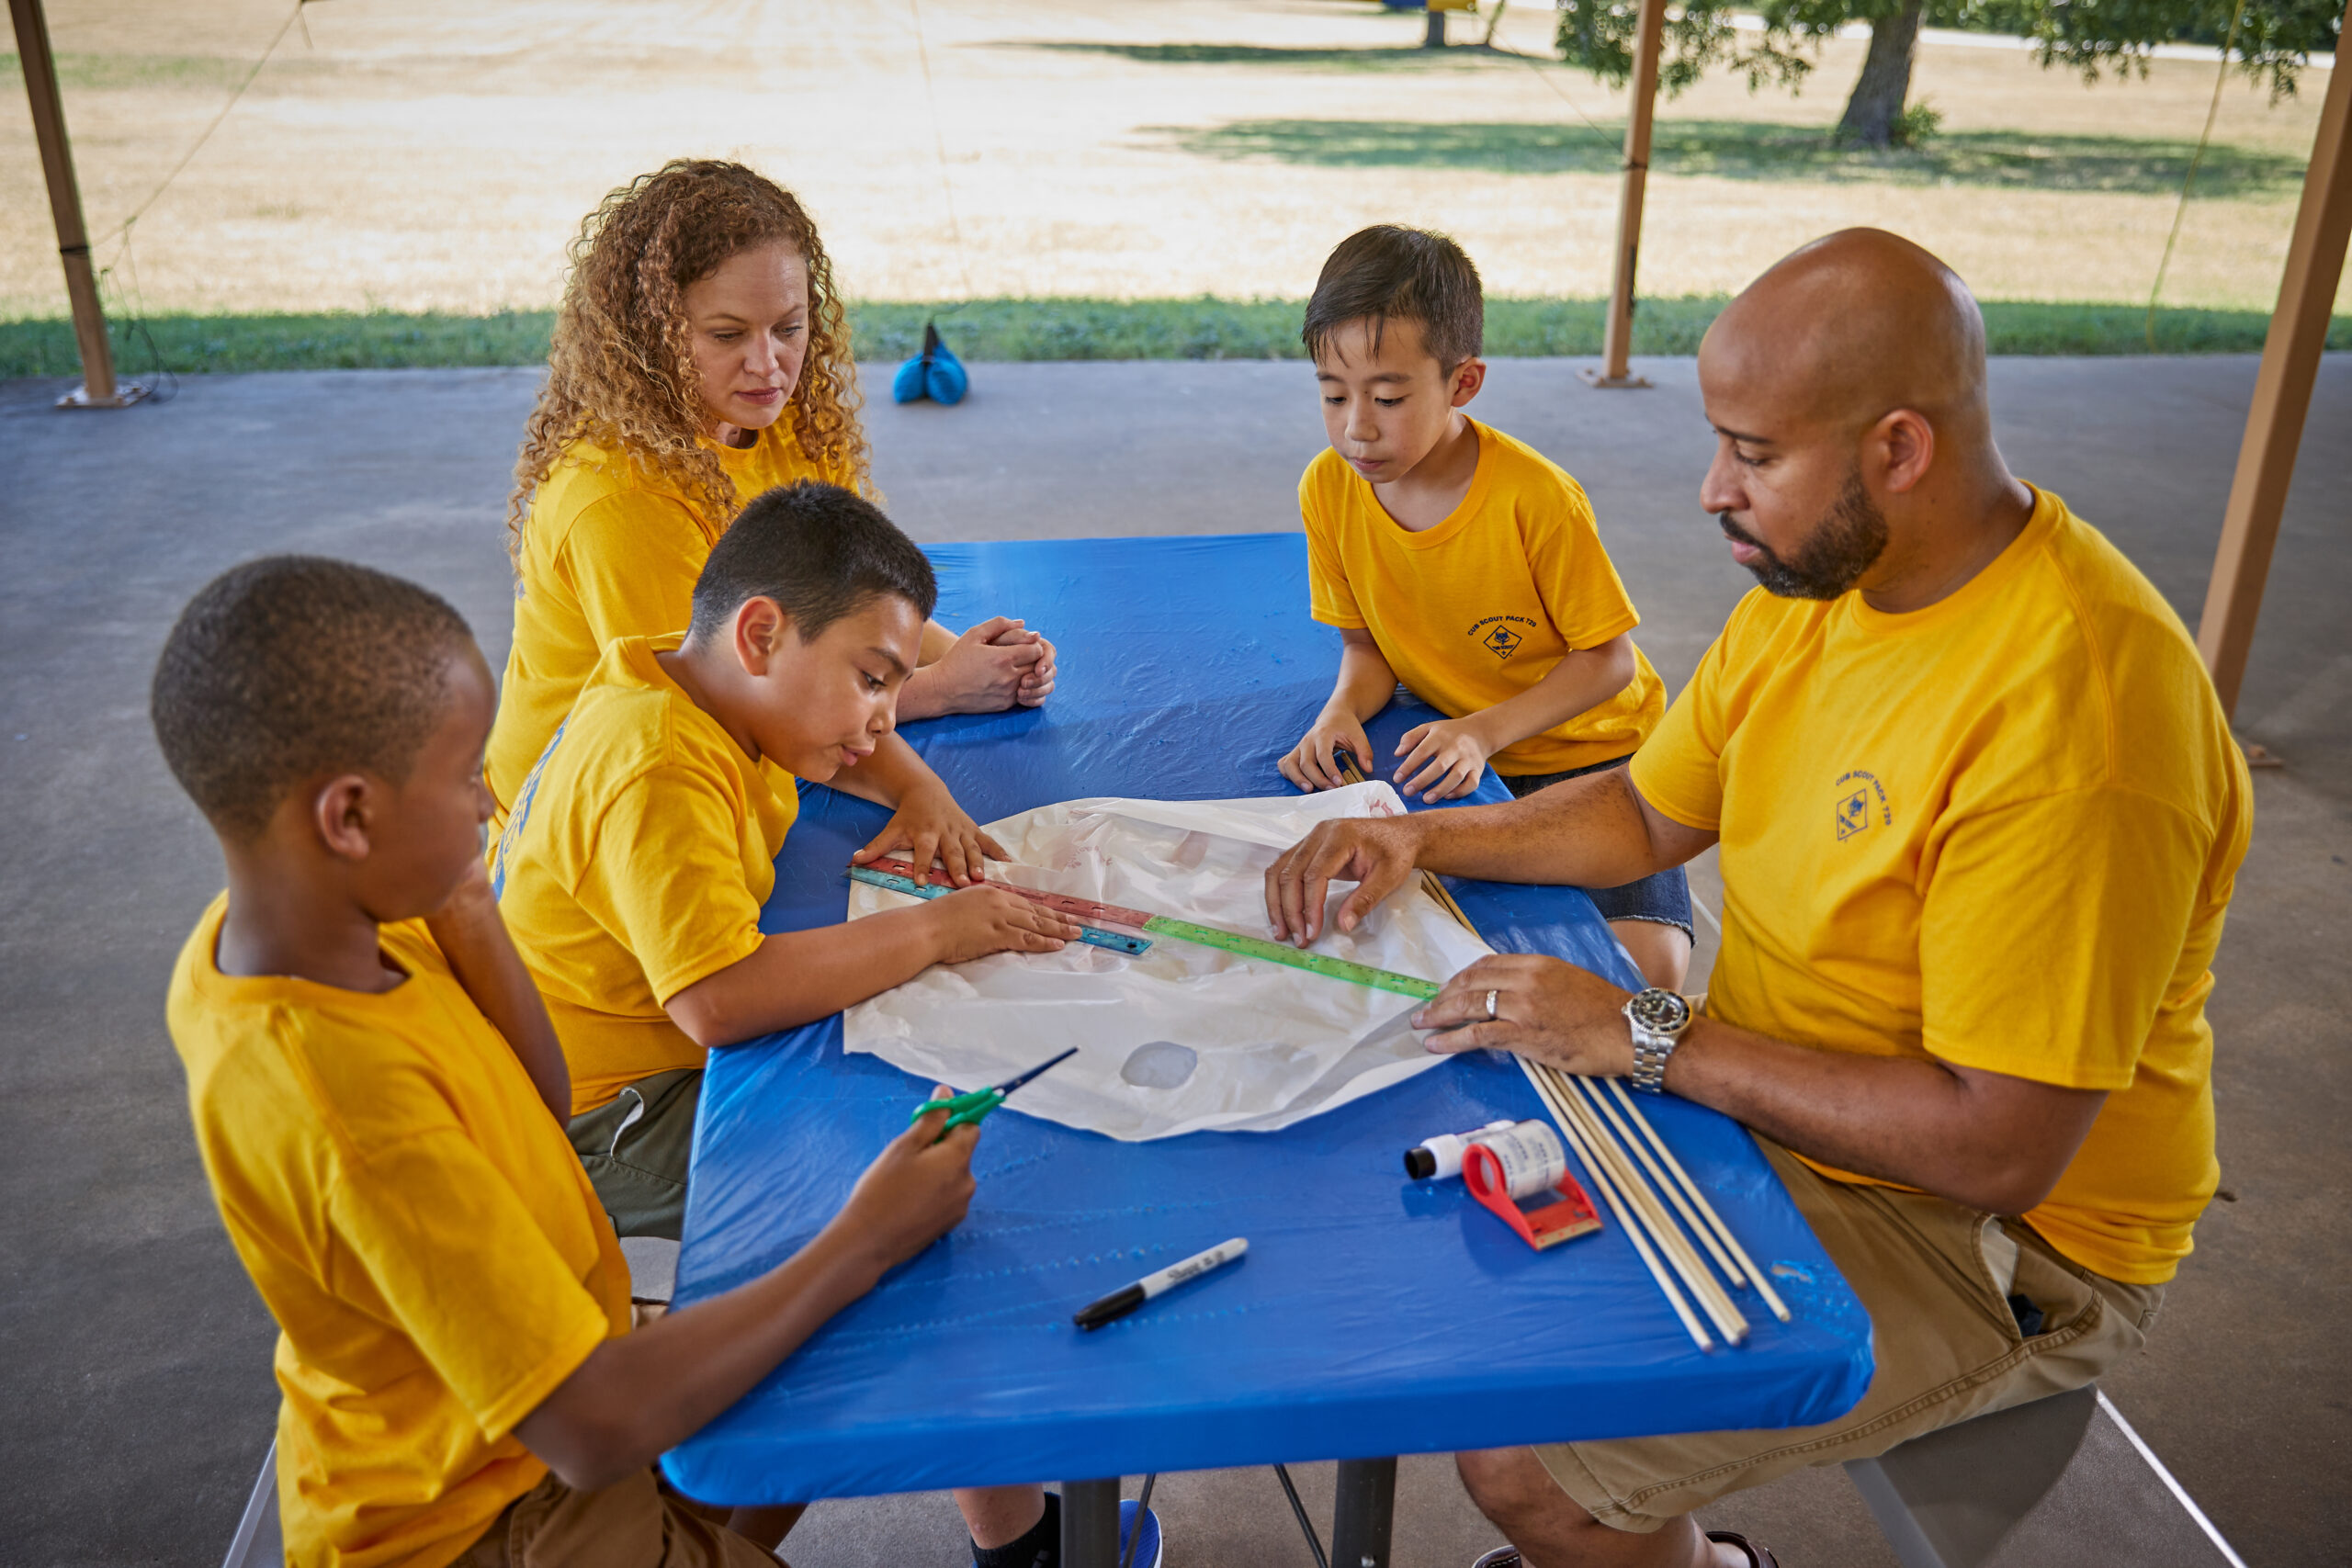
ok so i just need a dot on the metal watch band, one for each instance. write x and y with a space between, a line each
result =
1650 1055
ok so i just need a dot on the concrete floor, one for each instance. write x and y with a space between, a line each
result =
138 1359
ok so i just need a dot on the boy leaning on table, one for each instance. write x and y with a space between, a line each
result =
637 855
379 1103
1466 564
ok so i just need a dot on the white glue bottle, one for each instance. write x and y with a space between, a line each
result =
1442 1156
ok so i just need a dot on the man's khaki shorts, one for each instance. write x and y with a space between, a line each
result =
1936 1278
636 1523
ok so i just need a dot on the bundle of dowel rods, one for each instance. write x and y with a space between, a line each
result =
1601 1123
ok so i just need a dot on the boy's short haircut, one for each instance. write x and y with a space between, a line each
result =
290 666
1388 273
820 551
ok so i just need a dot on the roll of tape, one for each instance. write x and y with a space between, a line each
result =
1531 1156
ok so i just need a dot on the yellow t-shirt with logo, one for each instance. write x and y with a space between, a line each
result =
1481 607
418 1225
633 864
2000 832
610 550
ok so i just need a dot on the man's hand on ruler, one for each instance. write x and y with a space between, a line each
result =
1377 854
1546 1009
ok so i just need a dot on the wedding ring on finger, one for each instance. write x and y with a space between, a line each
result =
1490 1005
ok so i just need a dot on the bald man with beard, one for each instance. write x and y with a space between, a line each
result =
1979 812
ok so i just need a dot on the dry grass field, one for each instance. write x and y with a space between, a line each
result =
435 155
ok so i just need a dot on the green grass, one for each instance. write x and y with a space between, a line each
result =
1055 330
1742 149
136 71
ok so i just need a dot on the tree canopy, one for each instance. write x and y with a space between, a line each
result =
2096 38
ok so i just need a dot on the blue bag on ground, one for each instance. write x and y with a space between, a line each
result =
935 373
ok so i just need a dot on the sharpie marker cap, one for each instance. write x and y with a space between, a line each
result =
1419 1163
1117 1304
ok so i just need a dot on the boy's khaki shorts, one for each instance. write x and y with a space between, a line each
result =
636 1523
1936 1278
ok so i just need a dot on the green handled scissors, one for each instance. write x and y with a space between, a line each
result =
970 1110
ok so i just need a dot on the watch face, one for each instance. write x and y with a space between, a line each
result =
1662 1012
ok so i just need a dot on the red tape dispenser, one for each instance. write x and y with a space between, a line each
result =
1527 1161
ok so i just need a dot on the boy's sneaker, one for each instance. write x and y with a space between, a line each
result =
1500 1557
1147 1545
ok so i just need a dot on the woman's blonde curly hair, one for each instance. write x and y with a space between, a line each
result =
621 371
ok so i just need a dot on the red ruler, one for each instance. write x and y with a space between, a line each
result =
1083 909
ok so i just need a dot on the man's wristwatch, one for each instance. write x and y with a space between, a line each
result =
1658 1018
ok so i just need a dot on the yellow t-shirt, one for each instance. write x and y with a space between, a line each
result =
1477 610
634 863
608 551
2000 832
418 1225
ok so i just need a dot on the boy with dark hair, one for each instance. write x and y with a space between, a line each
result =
376 1099
639 851
1464 564
637 854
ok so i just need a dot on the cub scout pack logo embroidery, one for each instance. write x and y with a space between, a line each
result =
1495 633
1860 797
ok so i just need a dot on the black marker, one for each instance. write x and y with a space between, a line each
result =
1118 1303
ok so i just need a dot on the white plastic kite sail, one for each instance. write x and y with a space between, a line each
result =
1186 1038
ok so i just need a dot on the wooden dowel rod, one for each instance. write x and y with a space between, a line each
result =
1697 1226
1698 1196
1729 1321
1705 1291
1600 1179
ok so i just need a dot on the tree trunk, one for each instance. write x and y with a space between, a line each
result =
1433 36
1877 103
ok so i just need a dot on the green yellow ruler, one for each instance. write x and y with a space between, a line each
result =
893 874
1272 951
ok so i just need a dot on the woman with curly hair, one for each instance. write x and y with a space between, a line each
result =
700 357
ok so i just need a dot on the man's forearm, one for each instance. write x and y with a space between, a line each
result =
1587 832
1899 1119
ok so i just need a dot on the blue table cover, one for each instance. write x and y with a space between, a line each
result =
1374 1315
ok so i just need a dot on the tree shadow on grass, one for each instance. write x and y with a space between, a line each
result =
1742 149
1409 58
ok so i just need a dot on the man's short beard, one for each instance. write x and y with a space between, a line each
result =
1842 546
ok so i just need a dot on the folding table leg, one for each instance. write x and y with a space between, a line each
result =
1090 1524
1363 1513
